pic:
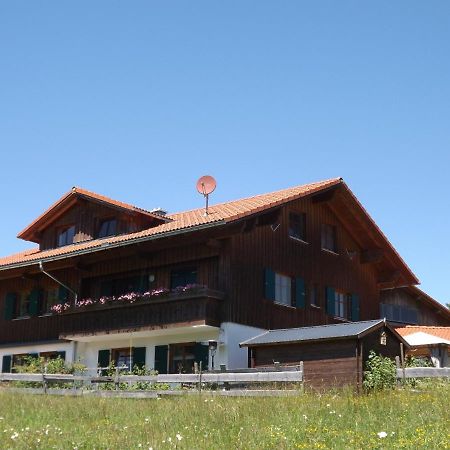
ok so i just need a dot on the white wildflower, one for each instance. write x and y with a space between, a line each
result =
178 436
382 434
15 435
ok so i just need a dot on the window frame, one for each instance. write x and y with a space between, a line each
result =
301 223
328 233
313 291
107 220
63 230
280 288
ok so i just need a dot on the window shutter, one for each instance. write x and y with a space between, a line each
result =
139 356
106 288
103 358
63 295
355 308
61 355
10 305
300 294
269 284
6 364
201 354
330 294
35 302
143 283
161 353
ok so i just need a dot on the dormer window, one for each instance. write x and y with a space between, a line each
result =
107 228
66 236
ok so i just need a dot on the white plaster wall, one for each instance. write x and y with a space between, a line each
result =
229 352
87 352
62 346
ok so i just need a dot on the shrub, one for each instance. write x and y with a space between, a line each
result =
380 373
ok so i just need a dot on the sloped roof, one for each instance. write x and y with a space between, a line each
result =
68 199
219 214
188 220
420 338
440 332
320 332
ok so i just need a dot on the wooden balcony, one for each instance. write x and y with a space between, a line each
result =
201 306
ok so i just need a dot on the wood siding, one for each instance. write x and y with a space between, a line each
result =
324 363
251 252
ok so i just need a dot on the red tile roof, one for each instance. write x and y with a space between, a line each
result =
220 213
69 197
442 332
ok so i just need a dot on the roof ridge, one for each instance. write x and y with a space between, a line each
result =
327 325
279 191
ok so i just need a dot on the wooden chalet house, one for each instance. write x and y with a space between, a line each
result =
112 282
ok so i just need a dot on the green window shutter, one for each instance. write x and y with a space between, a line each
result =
103 358
330 295
269 284
143 283
35 302
61 355
139 356
355 307
161 357
300 294
6 364
106 288
63 295
201 355
10 305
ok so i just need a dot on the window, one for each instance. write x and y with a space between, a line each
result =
122 357
51 299
183 356
297 226
183 277
135 283
314 295
66 236
283 289
107 228
23 306
328 238
340 304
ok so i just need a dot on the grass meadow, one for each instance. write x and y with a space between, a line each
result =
404 419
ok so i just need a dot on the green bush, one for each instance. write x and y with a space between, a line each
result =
380 373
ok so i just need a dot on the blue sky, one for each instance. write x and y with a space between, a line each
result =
136 100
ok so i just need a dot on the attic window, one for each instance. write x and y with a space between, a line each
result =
66 236
107 228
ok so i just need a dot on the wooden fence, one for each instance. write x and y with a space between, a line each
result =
423 372
199 381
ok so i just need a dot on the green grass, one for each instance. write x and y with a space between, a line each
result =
412 420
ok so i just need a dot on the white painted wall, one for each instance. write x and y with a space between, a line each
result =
62 346
228 351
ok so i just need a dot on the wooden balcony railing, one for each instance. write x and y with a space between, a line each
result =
198 306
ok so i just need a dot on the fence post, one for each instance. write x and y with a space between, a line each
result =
116 379
223 368
44 380
402 354
200 378
302 383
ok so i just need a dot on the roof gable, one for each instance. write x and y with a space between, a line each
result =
67 201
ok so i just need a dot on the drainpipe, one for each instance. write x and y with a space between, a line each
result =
41 267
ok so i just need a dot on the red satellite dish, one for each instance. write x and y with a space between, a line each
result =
206 185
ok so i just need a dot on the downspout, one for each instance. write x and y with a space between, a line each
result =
41 267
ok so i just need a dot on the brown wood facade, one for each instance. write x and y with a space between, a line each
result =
229 258
327 363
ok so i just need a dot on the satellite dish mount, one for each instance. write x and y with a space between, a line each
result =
205 186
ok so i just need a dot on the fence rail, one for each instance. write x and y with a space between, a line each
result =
240 377
423 372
